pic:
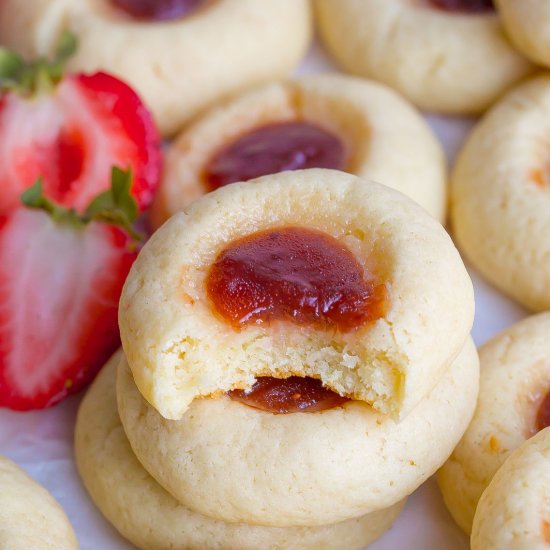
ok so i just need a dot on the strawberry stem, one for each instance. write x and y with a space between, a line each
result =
38 76
115 206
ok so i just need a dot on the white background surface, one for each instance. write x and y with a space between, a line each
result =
42 441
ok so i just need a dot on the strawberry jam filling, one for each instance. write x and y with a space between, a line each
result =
543 414
289 395
275 148
159 10
293 274
463 6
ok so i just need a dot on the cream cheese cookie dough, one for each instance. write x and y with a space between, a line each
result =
513 513
500 195
29 516
449 56
513 405
181 56
528 25
322 121
227 459
309 273
152 519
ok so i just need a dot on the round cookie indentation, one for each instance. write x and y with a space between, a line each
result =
382 136
159 10
179 349
288 395
29 515
515 377
500 199
227 460
275 148
293 274
463 6
143 512
513 512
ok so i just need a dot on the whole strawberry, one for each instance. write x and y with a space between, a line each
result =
61 275
70 129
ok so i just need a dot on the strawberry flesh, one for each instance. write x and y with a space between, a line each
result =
59 292
72 137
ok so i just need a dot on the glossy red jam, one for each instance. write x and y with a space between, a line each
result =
463 6
275 148
293 274
543 414
159 10
294 394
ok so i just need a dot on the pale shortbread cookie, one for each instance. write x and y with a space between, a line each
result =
500 195
30 518
441 61
178 67
514 511
385 138
149 517
515 376
237 463
528 25
179 349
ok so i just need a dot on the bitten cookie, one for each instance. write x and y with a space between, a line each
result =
309 273
232 461
181 56
500 195
322 121
528 25
513 513
447 56
153 520
30 518
513 404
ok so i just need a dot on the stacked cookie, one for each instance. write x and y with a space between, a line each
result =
293 346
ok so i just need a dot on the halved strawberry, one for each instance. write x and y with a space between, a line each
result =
70 129
61 275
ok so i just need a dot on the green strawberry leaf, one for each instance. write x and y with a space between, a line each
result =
11 66
38 76
66 47
34 197
115 206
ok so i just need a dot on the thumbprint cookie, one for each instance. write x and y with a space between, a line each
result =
450 56
29 516
292 452
500 195
513 405
513 513
321 121
303 273
180 55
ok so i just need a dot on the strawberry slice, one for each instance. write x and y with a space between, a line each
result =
61 275
69 130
